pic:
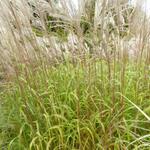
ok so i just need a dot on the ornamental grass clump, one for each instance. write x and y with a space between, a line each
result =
74 77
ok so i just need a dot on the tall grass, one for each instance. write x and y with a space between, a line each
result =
72 107
79 80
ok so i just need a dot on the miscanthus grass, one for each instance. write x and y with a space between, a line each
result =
74 79
71 106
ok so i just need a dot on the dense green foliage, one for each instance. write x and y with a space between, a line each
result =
76 107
